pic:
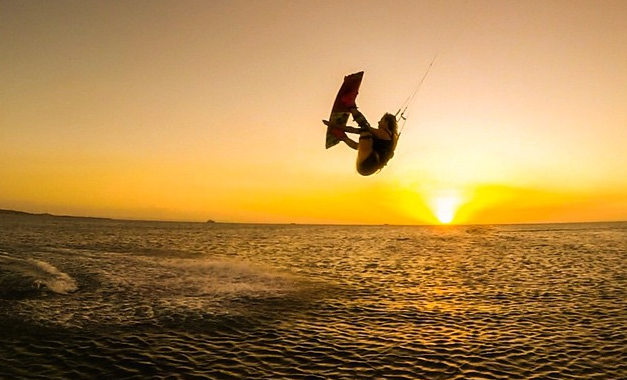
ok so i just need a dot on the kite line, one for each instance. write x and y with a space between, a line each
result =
401 113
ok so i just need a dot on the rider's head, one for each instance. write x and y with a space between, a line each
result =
388 122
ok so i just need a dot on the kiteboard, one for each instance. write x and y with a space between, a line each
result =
344 101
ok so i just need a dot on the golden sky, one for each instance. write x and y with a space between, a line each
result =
190 110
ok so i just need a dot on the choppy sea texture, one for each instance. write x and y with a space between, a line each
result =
134 300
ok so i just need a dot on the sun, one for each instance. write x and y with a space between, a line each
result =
445 207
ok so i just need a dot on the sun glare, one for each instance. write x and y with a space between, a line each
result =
445 207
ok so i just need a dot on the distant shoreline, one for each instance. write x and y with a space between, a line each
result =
75 217
48 215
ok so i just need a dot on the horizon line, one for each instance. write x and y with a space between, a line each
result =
211 221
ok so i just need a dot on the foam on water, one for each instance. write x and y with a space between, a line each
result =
119 289
28 277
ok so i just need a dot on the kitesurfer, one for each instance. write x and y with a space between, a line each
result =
376 145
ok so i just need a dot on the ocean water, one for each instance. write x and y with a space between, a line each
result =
95 299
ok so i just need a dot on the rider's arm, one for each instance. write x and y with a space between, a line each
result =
360 119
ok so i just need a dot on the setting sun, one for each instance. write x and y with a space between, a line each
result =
445 207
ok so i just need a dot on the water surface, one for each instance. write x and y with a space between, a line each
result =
86 298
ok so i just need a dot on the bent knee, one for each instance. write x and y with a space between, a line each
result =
366 171
368 166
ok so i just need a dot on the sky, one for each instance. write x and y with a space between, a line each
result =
197 110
